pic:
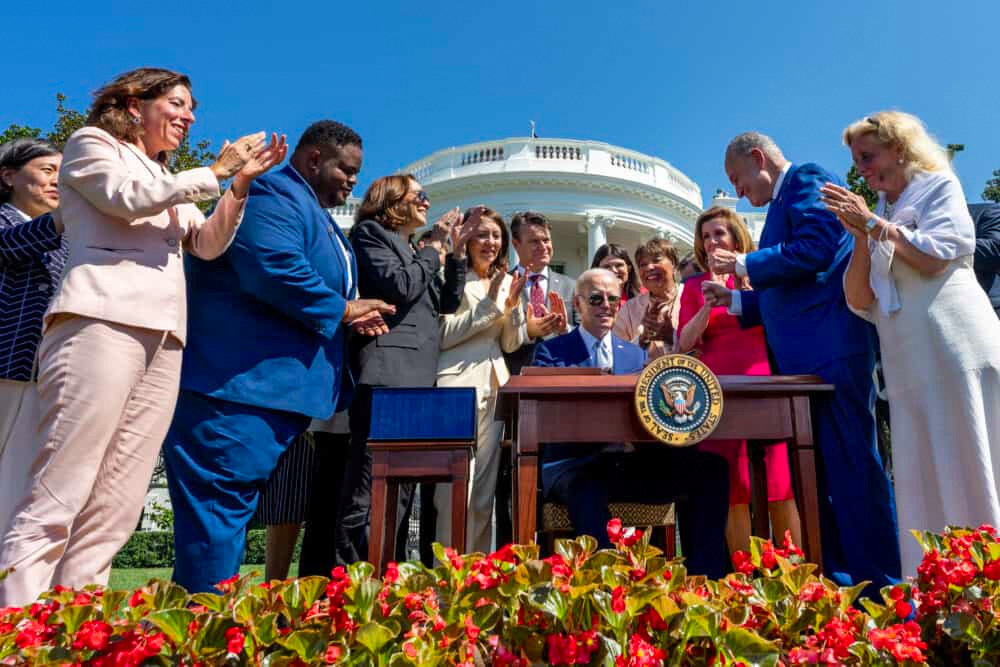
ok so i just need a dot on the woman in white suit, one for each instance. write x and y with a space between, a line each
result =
110 356
488 323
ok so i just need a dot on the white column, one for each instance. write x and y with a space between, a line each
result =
597 235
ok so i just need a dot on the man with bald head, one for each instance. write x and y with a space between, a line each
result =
796 274
586 479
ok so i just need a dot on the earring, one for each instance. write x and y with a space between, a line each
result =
136 120
899 161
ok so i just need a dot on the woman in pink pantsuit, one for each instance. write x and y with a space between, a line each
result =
110 356
729 350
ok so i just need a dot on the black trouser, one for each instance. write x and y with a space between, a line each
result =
502 506
698 482
354 512
319 554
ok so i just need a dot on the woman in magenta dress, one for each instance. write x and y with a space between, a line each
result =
716 338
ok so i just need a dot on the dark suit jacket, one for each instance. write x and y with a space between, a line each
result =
570 350
265 317
390 269
797 274
987 258
562 285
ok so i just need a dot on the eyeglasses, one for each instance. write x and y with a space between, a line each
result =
421 197
598 298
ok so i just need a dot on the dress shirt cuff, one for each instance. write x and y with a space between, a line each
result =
741 265
736 307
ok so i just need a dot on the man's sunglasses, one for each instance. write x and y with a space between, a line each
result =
598 298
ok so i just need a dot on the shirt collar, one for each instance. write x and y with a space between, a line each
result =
780 180
544 273
589 340
24 216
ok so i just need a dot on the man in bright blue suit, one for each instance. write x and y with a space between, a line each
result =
267 327
585 479
798 296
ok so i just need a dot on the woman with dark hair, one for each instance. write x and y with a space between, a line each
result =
110 356
650 319
615 259
728 349
488 322
392 269
32 255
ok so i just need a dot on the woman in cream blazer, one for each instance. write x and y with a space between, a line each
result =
489 321
110 356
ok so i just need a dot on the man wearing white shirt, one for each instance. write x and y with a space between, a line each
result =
797 277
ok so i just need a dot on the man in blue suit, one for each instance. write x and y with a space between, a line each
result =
268 322
585 479
798 296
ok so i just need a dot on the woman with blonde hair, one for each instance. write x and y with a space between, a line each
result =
110 356
727 349
911 275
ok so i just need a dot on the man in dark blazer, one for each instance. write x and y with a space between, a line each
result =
986 263
586 479
268 324
392 269
798 296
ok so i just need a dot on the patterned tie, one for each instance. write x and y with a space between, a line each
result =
537 295
601 357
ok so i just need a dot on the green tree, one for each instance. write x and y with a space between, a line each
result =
68 121
857 185
992 190
16 131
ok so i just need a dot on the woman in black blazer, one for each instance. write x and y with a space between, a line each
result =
391 268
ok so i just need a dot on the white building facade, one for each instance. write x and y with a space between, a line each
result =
592 192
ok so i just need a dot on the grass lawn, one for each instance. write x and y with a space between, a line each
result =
133 578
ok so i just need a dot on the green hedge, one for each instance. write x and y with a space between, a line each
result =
154 548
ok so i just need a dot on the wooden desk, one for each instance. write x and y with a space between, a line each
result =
600 409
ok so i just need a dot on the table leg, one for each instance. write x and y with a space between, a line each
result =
377 530
758 476
459 499
527 498
803 460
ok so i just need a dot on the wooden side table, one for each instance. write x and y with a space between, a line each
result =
418 434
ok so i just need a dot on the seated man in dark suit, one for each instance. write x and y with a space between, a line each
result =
586 479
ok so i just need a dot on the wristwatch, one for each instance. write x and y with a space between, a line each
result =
870 224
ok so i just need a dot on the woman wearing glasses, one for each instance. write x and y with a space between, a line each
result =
391 268
727 349
911 275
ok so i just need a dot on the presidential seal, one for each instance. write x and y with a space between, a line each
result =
678 400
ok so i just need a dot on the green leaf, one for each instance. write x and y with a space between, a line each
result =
246 609
211 637
312 588
360 570
111 601
551 600
307 644
210 601
173 623
364 598
374 636
587 544
167 594
265 629
963 626
700 621
751 649
74 617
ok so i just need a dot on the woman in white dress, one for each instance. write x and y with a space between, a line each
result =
911 275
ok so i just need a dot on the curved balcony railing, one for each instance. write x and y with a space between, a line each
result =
554 155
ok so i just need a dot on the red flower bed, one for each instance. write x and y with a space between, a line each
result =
626 607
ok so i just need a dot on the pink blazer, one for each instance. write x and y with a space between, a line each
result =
127 222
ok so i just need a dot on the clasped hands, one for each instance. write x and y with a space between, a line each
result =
851 209
365 316
247 158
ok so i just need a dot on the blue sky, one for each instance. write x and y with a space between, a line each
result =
672 79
